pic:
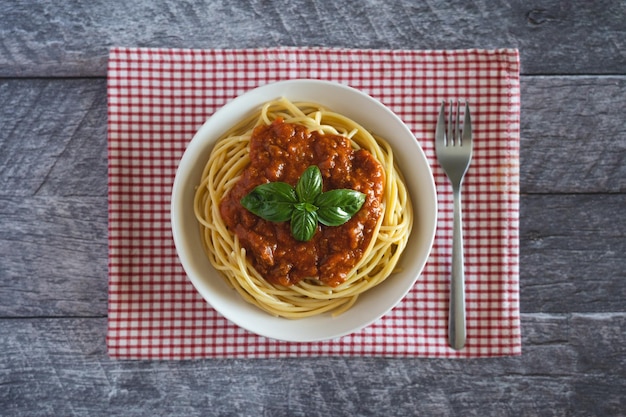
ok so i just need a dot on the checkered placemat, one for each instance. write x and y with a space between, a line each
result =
158 98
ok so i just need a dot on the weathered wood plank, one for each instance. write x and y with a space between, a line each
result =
53 140
53 137
572 253
54 257
573 135
55 254
59 367
70 39
53 191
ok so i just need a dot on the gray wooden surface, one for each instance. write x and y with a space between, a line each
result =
53 213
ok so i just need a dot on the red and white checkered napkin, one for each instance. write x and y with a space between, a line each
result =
158 98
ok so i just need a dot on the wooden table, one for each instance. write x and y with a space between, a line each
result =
53 213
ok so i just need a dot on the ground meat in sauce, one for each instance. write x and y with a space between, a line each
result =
281 152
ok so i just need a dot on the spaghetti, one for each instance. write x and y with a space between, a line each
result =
310 296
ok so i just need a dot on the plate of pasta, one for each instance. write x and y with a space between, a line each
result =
303 210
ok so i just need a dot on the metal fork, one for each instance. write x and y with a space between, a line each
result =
454 153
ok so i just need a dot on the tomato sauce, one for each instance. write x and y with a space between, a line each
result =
281 152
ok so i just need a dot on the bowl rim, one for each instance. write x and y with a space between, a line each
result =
203 141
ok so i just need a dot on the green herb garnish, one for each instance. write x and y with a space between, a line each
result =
304 206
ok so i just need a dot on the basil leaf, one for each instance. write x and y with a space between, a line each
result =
303 224
309 186
273 201
338 206
333 216
304 206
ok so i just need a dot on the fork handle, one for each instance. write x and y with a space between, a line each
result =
456 318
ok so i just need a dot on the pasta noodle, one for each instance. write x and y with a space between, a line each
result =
230 157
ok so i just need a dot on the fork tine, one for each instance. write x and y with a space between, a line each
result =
450 133
467 127
440 132
457 128
449 137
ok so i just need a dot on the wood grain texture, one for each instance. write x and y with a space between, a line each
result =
573 135
53 213
59 367
48 38
53 140
53 207
572 253
53 137
55 255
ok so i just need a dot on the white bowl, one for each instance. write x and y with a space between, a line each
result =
371 305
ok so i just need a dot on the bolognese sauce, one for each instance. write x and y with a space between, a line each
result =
281 152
